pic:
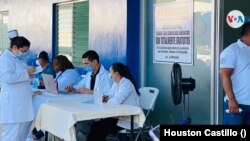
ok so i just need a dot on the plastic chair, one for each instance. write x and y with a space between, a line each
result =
155 133
147 99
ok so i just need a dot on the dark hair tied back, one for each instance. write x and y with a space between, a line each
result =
123 70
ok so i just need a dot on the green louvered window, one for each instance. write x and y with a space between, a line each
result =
80 31
4 40
65 30
72 30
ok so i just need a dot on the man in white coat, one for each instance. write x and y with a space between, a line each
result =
97 79
16 110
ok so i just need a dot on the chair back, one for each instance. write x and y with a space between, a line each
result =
147 98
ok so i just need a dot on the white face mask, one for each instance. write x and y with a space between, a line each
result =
112 80
20 55
89 68
37 62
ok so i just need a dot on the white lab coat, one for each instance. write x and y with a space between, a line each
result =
123 93
68 78
102 81
16 94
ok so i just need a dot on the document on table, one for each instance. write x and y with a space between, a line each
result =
38 69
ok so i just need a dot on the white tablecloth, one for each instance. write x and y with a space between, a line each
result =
52 98
59 118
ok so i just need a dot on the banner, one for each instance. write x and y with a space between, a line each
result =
173 32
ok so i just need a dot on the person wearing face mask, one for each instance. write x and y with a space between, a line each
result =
12 35
96 79
22 56
16 109
123 91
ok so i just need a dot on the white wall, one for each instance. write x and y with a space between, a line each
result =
32 19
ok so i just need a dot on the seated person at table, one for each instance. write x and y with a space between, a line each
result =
96 79
47 66
66 74
123 91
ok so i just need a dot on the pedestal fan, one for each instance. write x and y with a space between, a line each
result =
181 86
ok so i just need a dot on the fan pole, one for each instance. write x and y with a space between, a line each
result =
186 116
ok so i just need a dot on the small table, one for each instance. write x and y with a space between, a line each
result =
59 118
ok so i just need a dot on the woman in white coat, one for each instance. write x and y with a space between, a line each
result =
16 110
123 91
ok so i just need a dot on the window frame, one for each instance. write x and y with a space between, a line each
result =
77 38
4 39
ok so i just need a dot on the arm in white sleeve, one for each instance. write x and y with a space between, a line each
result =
228 58
68 78
104 85
125 89
10 74
81 84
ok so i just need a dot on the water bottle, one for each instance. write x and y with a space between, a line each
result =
98 98
35 82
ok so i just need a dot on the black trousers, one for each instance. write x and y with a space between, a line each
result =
101 129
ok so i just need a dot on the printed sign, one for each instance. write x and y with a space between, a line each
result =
173 32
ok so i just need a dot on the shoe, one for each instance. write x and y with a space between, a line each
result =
38 135
34 131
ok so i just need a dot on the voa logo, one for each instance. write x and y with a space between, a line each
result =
235 19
